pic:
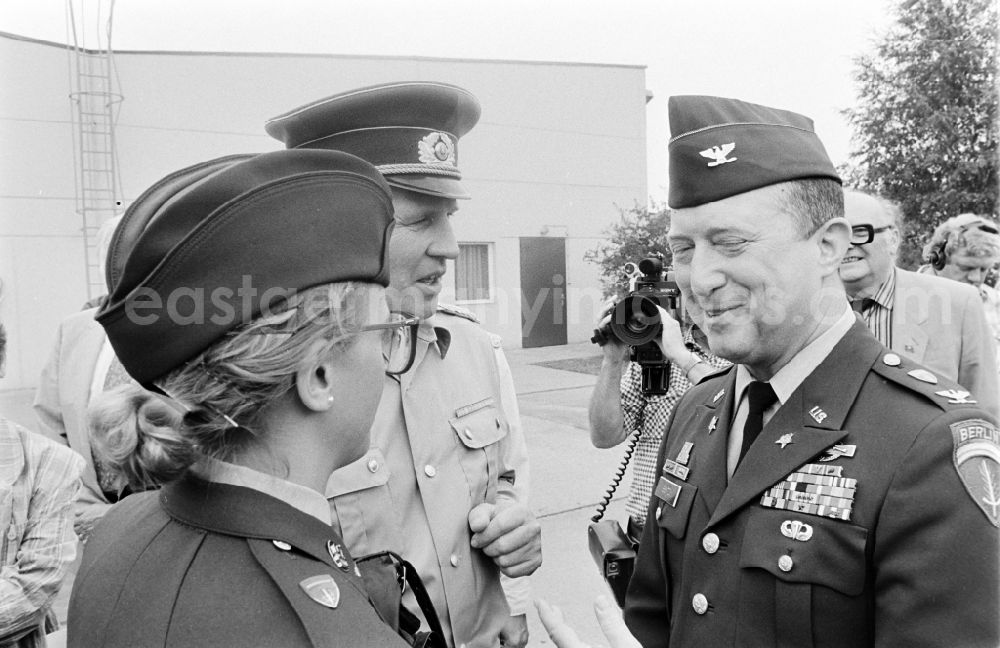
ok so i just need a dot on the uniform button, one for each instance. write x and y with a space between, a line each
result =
467 433
280 544
454 560
373 465
659 509
12 533
785 563
699 603
710 543
430 470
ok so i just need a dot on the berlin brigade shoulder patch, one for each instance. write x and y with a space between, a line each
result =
977 460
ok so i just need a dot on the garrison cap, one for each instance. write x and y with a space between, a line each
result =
144 209
723 147
408 130
225 248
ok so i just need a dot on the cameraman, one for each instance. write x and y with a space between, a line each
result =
618 407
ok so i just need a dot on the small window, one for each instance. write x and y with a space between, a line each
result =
472 273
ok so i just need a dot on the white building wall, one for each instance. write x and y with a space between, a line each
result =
558 148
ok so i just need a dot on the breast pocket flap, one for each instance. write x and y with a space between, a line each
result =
480 427
673 505
799 548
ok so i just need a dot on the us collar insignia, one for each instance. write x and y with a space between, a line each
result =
818 414
337 554
956 397
714 423
719 154
436 148
719 394
322 589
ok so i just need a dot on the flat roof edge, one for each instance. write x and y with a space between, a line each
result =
441 59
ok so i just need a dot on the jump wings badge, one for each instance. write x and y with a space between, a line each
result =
977 460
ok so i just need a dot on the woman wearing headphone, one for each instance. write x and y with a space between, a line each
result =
252 303
966 248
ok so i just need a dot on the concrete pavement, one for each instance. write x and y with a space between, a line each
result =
568 478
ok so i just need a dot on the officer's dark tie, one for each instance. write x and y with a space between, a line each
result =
761 396
862 305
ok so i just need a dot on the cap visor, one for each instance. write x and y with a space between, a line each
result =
430 185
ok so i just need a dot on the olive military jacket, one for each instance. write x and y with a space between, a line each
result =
865 514
446 438
209 564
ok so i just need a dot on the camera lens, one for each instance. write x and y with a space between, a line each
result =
635 320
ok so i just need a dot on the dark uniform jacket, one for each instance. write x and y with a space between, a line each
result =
865 514
207 564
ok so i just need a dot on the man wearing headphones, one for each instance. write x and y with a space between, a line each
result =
938 323
966 248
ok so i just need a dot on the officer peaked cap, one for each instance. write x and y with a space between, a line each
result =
408 130
723 147
228 246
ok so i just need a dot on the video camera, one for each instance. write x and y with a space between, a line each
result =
636 322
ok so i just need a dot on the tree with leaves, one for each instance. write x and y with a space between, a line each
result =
639 233
925 128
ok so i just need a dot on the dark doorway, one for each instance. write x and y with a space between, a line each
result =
543 291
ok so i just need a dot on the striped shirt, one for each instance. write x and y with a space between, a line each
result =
650 415
39 480
878 316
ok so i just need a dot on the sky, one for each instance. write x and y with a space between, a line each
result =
792 54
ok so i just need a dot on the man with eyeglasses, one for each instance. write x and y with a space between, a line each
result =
938 323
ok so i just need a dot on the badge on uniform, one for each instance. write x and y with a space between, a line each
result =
977 460
322 589
814 489
956 396
667 491
337 554
838 451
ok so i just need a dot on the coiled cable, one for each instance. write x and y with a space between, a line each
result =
619 474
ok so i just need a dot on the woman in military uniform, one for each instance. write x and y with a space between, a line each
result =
253 303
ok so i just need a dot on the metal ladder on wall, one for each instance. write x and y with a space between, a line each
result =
95 102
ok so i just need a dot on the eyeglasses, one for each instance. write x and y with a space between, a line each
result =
399 341
865 234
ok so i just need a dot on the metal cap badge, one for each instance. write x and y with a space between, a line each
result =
722 147
408 130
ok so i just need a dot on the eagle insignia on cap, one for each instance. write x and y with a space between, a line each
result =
718 154
437 148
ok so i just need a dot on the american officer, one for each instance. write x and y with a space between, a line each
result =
865 513
253 301
445 481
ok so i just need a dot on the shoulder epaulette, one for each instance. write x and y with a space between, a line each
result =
458 311
945 393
